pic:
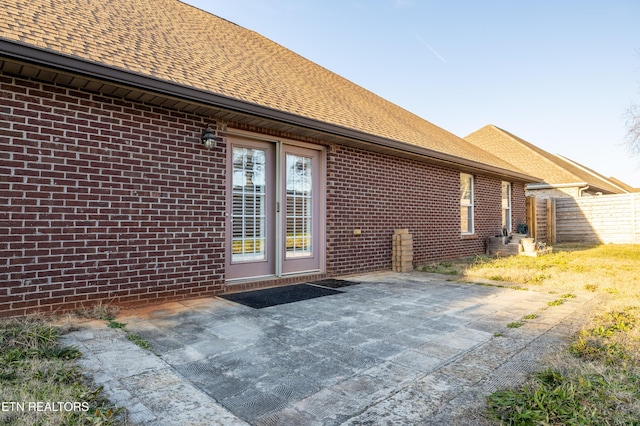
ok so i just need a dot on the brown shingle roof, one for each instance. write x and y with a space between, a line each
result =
171 41
553 169
623 185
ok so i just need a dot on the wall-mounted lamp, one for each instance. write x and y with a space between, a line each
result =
208 138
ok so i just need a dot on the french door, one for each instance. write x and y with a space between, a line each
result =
275 212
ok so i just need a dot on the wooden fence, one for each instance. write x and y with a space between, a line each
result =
603 219
541 219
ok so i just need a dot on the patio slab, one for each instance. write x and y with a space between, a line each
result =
398 348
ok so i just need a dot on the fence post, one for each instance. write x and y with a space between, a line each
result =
531 215
634 218
551 221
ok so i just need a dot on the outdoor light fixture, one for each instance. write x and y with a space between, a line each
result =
208 138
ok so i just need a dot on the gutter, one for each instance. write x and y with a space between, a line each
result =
582 186
534 186
581 190
42 57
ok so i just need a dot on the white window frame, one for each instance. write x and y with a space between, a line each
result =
467 203
506 210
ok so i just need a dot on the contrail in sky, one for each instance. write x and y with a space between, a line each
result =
430 48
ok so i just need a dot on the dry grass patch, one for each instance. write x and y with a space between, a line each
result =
36 369
613 269
596 381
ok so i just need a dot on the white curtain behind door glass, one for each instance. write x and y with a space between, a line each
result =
299 184
248 209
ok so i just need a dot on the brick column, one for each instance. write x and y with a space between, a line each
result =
402 255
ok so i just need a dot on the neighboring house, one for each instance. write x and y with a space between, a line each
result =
623 185
561 177
108 194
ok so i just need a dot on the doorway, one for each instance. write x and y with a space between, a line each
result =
275 209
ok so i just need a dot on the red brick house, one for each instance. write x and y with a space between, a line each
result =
151 151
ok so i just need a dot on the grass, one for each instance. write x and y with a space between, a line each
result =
570 267
453 267
596 381
612 338
35 368
138 340
108 312
444 268
574 398
99 310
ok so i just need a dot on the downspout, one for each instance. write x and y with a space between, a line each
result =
581 190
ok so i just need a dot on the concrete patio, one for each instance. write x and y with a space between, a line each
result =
397 349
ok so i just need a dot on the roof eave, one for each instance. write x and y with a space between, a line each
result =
544 185
581 185
67 63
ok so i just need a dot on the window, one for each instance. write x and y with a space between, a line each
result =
506 206
466 203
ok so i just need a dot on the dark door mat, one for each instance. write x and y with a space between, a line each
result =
333 283
259 299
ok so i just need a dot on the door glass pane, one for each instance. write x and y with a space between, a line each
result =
248 205
299 213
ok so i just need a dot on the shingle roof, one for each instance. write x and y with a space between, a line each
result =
623 185
553 169
174 42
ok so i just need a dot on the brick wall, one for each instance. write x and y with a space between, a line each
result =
102 199
378 193
518 204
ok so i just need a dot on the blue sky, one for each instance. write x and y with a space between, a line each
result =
559 74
